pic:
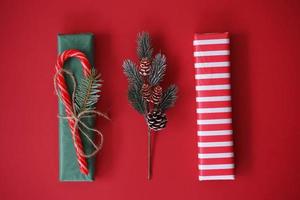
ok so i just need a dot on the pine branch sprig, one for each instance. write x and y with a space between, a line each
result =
87 94
131 71
168 98
136 100
144 49
158 69
144 91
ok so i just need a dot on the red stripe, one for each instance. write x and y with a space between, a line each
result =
215 161
228 149
214 115
213 127
216 104
211 59
72 123
216 138
217 172
209 93
66 98
216 81
84 170
210 70
214 47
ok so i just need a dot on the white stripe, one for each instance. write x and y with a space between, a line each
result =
214 110
212 41
215 155
211 53
220 177
211 64
212 167
215 144
212 87
213 99
81 164
214 133
213 121
212 76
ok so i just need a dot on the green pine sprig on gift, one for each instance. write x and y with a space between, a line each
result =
87 93
144 92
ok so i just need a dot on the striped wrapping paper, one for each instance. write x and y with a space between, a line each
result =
214 122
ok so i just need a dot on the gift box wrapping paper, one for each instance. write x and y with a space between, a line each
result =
68 166
214 111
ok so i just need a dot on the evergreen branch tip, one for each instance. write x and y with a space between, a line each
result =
169 98
144 48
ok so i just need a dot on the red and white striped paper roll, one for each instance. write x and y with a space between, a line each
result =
214 121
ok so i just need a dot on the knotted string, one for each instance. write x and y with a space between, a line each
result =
78 116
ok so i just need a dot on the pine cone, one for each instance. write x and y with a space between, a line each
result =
146 92
157 120
156 95
145 66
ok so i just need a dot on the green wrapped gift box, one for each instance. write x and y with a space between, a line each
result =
68 166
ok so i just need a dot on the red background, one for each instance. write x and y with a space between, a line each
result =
265 75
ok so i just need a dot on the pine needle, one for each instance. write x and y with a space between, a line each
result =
158 69
144 49
87 94
131 71
136 99
168 98
157 73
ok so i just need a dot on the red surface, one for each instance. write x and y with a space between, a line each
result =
265 76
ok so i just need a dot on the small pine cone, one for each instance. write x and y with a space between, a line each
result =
145 66
156 95
146 92
157 120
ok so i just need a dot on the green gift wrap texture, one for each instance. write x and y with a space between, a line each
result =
68 166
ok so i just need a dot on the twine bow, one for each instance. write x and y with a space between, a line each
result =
77 117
